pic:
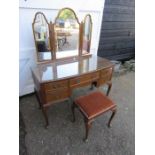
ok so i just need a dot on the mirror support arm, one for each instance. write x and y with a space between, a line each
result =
81 39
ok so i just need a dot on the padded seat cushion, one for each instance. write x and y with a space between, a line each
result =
94 104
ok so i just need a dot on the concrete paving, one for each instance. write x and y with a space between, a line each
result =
65 138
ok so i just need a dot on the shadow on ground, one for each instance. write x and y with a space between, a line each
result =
65 138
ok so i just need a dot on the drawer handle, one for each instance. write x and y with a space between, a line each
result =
78 81
57 97
54 87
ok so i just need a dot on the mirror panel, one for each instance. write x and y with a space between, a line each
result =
42 37
67 34
87 32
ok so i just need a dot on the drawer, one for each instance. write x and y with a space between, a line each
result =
52 86
84 78
105 72
106 75
56 95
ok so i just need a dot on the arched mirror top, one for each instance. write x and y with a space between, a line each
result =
65 38
40 17
87 18
67 34
66 14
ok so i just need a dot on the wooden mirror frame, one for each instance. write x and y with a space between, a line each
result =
51 45
52 35
84 22
80 33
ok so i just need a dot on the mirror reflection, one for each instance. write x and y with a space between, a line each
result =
87 30
41 35
67 33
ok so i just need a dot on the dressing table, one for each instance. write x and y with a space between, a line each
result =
60 69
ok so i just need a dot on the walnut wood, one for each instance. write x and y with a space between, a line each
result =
89 112
53 42
53 84
109 87
111 118
50 35
88 124
44 110
37 96
73 111
68 9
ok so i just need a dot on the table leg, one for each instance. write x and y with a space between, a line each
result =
44 110
93 84
40 105
73 111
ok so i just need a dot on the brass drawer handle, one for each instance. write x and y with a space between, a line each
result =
54 87
57 97
78 81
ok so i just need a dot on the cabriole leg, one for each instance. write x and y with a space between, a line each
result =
111 118
88 125
109 88
73 111
44 109
40 105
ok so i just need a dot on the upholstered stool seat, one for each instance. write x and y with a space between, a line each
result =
93 105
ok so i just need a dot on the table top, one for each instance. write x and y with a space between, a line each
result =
69 68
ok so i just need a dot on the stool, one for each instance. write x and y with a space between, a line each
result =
91 106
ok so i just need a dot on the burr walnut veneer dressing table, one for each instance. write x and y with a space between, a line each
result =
55 81
64 61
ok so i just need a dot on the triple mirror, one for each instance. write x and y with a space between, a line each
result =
64 38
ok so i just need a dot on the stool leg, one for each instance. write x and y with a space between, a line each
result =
88 124
109 88
73 111
111 118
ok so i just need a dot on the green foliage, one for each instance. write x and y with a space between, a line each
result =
66 14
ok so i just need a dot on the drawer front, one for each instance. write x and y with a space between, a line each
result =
105 75
84 78
56 95
106 72
53 86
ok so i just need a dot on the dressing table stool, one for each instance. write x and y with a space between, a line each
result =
93 105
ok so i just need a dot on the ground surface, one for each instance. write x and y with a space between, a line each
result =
65 138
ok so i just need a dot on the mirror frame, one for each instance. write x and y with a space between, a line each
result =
52 36
65 9
51 46
84 22
80 32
